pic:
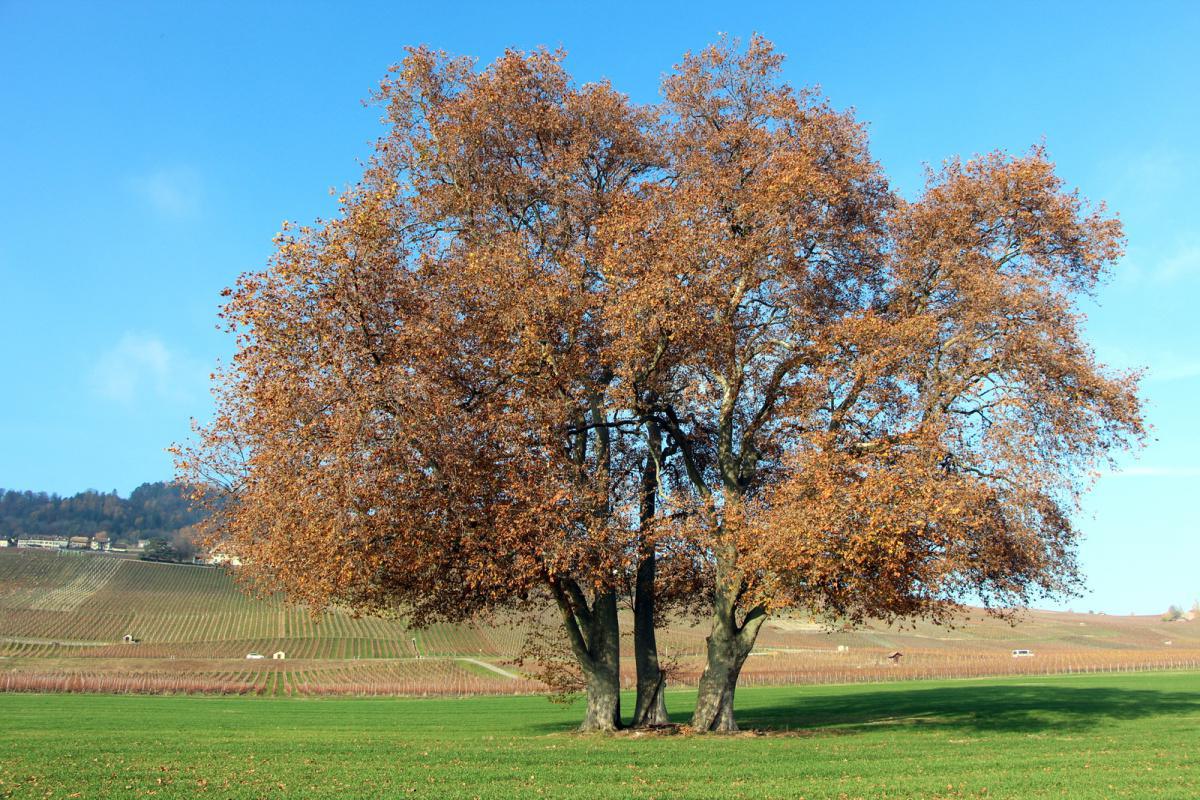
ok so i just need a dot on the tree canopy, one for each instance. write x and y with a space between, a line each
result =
560 346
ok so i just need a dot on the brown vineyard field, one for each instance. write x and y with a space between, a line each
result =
63 618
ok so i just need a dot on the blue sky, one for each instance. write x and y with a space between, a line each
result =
150 151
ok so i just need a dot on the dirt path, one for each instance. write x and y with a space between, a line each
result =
492 667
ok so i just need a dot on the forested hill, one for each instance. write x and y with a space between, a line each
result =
152 510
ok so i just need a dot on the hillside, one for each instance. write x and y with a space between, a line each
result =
63 617
152 510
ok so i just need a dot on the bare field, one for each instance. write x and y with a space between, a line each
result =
63 616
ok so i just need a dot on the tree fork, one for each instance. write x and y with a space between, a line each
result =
714 697
595 639
728 646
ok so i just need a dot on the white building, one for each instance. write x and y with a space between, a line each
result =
48 542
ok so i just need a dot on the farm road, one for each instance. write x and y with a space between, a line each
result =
492 667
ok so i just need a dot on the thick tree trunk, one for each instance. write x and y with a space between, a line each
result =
714 697
595 638
729 644
603 702
603 667
651 706
592 626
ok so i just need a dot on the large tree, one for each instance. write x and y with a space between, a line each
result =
884 408
558 347
420 411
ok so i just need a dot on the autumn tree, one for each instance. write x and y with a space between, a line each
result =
560 348
884 408
420 414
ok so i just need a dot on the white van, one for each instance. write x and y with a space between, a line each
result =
1022 653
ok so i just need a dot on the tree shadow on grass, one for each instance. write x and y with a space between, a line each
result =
1028 708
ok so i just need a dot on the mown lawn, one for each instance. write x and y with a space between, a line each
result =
1072 737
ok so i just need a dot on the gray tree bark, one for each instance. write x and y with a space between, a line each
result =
603 668
650 707
729 644
595 637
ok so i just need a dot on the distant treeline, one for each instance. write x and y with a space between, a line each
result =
153 511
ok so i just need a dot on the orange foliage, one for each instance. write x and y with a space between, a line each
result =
870 406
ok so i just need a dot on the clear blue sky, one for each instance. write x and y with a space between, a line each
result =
149 152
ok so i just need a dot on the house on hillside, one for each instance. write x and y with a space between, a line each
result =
3 542
79 542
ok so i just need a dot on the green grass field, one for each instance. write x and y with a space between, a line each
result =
1095 736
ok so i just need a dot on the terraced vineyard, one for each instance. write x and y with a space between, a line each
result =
63 617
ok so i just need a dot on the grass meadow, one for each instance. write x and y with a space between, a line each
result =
1081 736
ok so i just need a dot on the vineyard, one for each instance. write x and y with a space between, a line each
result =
63 618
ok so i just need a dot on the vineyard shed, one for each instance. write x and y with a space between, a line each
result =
278 655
